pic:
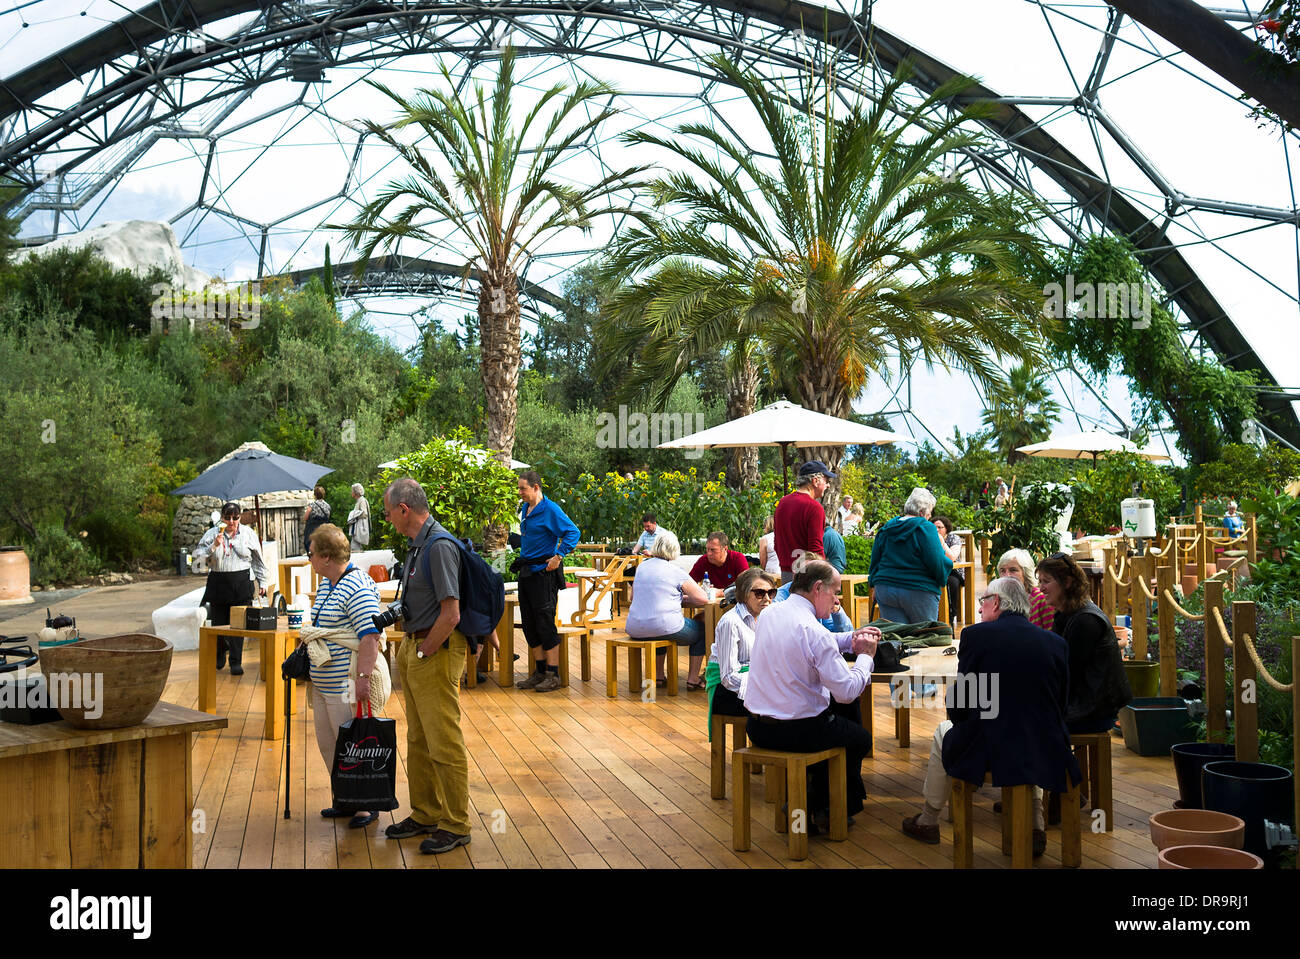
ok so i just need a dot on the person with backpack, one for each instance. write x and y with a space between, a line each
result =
430 660
540 569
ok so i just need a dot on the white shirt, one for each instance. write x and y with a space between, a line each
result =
797 664
773 564
233 554
733 639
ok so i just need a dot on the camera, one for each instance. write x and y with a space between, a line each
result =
389 616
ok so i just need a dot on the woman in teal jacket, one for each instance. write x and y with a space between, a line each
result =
909 566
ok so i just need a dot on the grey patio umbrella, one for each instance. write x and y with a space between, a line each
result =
251 472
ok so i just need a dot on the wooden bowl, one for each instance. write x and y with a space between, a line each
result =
1196 827
110 682
1208 857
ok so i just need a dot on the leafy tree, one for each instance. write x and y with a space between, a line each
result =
1099 490
77 441
564 350
502 198
1021 411
1027 522
1244 471
1205 400
849 249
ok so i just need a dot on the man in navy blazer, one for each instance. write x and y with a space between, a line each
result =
1006 712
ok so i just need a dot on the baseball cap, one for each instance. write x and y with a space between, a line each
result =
813 467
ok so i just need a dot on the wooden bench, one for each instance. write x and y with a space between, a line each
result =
1017 826
639 650
718 724
790 780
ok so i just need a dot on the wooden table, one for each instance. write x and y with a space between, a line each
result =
100 798
284 576
506 637
928 666
276 646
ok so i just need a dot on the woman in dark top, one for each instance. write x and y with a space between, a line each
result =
1098 686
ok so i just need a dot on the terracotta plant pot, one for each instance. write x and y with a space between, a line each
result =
1196 827
1208 857
15 575
117 679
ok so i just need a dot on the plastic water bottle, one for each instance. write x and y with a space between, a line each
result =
708 589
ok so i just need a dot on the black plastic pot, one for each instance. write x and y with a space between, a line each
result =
1189 760
1251 791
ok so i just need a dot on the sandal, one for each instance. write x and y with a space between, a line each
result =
661 683
692 687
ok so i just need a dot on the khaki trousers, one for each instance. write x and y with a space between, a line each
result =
437 765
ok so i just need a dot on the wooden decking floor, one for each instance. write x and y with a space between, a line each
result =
572 779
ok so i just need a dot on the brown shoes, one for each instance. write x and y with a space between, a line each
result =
926 834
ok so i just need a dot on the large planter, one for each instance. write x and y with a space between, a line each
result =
1189 760
15 575
1251 791
117 680
1207 857
1195 827
1143 677
1152 724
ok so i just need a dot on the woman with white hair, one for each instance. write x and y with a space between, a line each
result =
359 519
1018 564
660 589
909 566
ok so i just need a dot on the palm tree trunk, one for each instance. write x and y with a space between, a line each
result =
498 315
822 389
742 397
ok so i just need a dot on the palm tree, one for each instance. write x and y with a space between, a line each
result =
848 250
502 198
1020 411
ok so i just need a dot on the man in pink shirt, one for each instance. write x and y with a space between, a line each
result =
795 669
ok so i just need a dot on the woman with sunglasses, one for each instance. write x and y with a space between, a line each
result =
1098 686
733 639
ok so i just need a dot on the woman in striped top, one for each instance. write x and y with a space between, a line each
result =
345 599
1018 564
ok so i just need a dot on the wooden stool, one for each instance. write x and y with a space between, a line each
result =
638 650
1017 826
1092 750
791 781
718 724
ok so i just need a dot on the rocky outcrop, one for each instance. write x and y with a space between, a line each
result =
136 245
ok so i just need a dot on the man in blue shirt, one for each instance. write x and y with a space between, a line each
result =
650 529
542 525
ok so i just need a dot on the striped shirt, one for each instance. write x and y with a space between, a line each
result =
235 554
1040 613
347 605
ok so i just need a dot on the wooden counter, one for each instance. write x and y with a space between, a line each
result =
99 798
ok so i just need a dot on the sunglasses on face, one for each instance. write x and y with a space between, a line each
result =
769 593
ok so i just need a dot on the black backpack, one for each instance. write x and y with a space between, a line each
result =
482 590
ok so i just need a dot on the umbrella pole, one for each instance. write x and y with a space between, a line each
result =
785 465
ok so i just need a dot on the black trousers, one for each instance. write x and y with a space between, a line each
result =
223 591
727 703
955 584
810 735
538 596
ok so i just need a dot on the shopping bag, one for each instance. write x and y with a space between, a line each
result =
364 775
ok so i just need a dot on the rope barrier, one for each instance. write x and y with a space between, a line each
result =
1122 584
1223 627
1262 669
1178 609
1146 592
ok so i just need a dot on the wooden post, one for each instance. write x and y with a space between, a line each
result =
1197 515
986 544
1167 623
1245 685
968 591
1252 540
1139 567
1216 718
1204 552
1108 584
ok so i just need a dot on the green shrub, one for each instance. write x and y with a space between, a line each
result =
58 558
121 540
1099 490
1027 522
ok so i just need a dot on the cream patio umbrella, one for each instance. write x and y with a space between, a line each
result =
1090 443
786 424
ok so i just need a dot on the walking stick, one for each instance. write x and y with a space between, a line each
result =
288 739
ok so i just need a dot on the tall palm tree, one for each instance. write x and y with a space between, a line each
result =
1020 411
502 198
846 249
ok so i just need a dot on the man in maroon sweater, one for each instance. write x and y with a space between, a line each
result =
721 564
800 519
